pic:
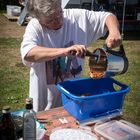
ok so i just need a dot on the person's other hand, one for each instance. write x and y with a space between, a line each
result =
77 50
114 39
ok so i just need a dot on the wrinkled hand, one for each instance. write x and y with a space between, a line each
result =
77 50
114 40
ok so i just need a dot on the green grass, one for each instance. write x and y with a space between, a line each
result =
14 77
2 11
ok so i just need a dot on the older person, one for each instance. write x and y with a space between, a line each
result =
50 37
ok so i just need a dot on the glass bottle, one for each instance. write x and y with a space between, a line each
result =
7 125
29 122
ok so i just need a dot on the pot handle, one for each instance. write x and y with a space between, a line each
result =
121 51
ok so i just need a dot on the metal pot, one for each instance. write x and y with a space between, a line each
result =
108 61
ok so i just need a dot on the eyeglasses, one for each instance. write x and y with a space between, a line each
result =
55 18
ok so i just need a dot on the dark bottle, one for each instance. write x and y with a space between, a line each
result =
29 122
7 125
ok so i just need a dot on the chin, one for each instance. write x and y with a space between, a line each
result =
57 27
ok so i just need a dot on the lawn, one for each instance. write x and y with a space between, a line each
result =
14 76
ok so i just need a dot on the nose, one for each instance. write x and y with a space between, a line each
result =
57 24
58 21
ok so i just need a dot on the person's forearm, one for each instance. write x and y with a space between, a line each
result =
39 54
114 38
112 24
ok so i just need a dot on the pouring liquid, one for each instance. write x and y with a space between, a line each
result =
98 66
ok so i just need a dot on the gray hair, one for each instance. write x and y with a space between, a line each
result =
39 8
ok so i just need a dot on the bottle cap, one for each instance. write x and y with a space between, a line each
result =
6 109
29 100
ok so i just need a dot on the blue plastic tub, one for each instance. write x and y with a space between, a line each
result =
88 98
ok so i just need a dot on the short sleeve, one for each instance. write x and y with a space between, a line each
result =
96 24
31 38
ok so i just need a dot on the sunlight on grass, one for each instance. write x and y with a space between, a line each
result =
13 75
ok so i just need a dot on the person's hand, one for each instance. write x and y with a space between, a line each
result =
76 50
114 39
